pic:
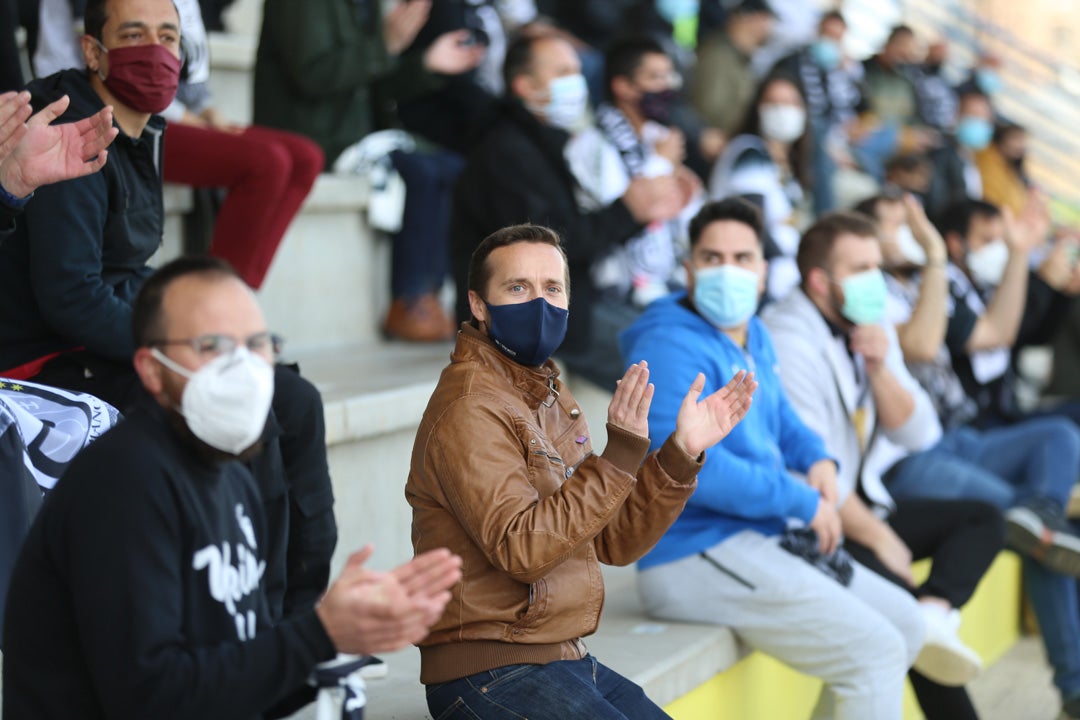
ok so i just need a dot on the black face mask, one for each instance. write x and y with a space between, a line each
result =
658 106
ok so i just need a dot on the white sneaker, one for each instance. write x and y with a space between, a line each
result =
944 658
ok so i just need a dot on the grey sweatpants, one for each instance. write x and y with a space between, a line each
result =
860 640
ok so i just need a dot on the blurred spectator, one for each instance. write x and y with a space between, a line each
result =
797 24
724 83
1027 469
519 171
936 99
330 70
846 378
955 176
891 122
910 173
1005 182
829 82
11 77
985 76
634 138
997 304
268 173
727 560
766 163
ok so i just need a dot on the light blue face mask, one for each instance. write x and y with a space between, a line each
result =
672 10
974 133
865 294
826 54
988 80
726 295
569 98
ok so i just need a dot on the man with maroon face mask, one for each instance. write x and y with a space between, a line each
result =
70 271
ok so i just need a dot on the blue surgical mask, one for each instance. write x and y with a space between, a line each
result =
674 10
569 98
987 80
974 133
826 54
527 333
865 294
726 295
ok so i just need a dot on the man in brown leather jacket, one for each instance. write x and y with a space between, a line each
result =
503 473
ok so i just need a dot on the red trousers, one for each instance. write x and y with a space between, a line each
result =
268 174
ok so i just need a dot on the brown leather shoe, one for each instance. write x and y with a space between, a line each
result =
420 319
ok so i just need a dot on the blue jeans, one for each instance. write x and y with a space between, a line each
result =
1039 457
1036 458
421 250
556 691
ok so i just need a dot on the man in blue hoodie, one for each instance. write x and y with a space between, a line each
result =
728 537
859 639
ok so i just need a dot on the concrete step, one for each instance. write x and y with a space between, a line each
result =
329 284
232 74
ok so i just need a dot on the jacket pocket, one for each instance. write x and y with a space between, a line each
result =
536 611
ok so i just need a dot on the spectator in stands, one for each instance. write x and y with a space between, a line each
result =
935 97
268 173
796 25
142 587
1027 469
985 76
633 138
70 271
909 173
766 162
727 559
333 70
851 387
989 252
891 122
724 83
520 172
955 176
212 13
531 508
829 82
35 153
1004 178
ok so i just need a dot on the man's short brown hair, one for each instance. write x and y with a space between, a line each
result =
480 270
816 246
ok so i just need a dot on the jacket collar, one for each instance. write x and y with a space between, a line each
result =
537 385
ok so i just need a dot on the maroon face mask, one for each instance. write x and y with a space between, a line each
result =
143 77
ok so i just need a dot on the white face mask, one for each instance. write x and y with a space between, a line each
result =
225 402
987 264
909 247
568 99
783 123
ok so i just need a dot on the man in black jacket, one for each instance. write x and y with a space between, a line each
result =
518 173
141 591
77 258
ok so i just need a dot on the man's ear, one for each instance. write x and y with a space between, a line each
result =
149 370
478 307
92 54
522 86
817 282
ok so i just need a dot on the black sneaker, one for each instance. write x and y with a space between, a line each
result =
1038 530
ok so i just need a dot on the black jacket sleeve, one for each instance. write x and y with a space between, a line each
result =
64 224
1044 313
125 558
7 220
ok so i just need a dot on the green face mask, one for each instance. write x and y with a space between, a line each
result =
864 297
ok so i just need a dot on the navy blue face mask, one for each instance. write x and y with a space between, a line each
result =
528 332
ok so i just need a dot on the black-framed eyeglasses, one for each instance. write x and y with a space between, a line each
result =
215 344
